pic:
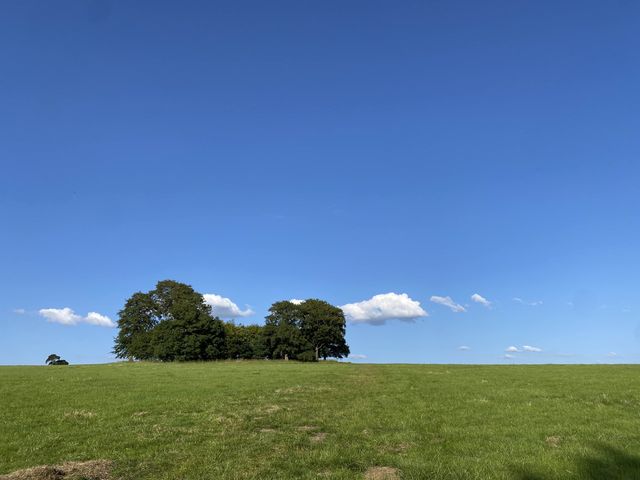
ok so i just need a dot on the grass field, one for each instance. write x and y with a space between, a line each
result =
286 420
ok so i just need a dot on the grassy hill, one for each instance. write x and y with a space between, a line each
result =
286 420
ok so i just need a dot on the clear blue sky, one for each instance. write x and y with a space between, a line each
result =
272 150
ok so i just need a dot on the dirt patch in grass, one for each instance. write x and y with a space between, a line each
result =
306 428
382 473
553 441
91 470
270 409
268 430
397 448
79 414
318 437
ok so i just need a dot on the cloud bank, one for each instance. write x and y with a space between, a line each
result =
385 306
66 316
224 308
448 302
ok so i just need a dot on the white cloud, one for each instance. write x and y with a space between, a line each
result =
19 311
507 356
512 349
612 354
385 306
94 318
529 348
357 356
448 302
476 297
464 348
66 316
224 308
296 301
531 304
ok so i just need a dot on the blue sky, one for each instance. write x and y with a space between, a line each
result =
272 150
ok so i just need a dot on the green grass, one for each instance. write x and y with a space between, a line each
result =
261 420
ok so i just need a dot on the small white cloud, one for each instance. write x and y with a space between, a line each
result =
94 318
66 316
296 301
464 348
357 356
531 304
19 311
507 356
476 297
224 308
386 306
512 349
448 302
529 348
612 354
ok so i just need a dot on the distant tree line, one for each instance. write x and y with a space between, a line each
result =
173 323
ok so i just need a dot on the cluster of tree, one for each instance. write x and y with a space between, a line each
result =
173 322
54 359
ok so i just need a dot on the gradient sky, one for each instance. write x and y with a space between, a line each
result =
262 151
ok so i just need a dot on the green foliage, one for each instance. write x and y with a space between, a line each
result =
307 356
324 327
245 341
313 325
282 333
171 322
54 359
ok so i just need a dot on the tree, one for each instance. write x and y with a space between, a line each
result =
323 326
54 359
313 326
137 321
282 331
171 322
245 341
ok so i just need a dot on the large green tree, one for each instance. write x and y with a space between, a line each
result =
282 331
323 326
171 322
307 330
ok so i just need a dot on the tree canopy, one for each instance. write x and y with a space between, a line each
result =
173 322
310 328
55 359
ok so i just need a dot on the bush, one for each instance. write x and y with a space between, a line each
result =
308 356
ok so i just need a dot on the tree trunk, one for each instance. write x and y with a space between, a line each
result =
317 351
